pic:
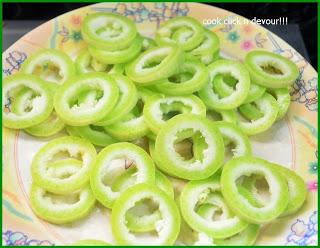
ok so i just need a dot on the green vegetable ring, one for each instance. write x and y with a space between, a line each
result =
224 89
61 209
128 97
233 136
247 237
50 65
133 126
236 70
173 163
193 76
270 70
283 98
103 93
68 178
90 242
166 229
95 134
113 161
86 63
47 128
261 114
198 194
108 31
185 32
208 48
154 64
159 108
136 223
118 56
238 169
33 108
297 189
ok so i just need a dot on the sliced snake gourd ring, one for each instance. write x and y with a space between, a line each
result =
297 189
226 88
53 167
51 65
154 64
270 70
247 237
184 31
52 125
208 49
128 98
196 196
133 126
26 101
90 242
274 189
189 125
108 31
283 98
159 108
104 95
233 136
95 134
261 114
227 68
192 77
113 161
118 56
135 222
231 133
61 209
166 229
86 63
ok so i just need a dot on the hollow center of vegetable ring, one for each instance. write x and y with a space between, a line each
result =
154 61
229 79
271 68
143 207
184 145
172 109
96 65
249 112
110 29
214 115
86 98
144 218
64 164
120 174
49 71
57 199
23 99
255 189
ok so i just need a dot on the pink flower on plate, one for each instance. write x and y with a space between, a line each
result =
75 20
312 186
246 45
247 29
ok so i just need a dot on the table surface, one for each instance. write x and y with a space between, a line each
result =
15 29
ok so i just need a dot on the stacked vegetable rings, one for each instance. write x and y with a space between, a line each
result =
114 160
60 192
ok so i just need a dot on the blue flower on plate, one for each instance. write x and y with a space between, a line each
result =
233 37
